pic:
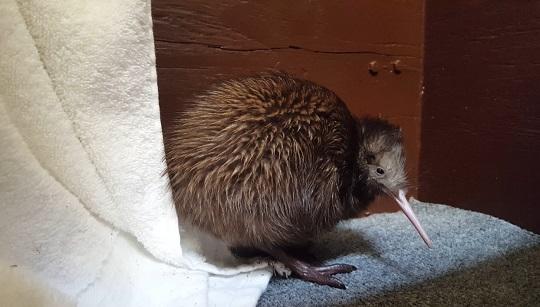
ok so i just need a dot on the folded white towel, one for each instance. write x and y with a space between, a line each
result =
83 205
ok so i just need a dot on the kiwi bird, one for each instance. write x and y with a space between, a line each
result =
269 162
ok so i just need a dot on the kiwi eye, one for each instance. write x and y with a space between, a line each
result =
380 171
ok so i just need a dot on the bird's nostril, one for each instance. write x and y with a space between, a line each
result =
380 171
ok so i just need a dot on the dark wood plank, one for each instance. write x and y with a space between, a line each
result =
481 115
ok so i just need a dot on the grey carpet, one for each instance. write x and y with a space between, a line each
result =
476 260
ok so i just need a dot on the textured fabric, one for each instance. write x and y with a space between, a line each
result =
476 259
85 214
78 84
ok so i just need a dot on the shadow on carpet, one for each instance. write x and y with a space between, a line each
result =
476 259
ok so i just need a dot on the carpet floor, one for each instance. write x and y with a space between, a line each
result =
476 260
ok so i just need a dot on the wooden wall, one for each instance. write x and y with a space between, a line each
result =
481 112
329 42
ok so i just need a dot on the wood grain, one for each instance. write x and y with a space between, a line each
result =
481 115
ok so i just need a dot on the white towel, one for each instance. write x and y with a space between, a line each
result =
83 206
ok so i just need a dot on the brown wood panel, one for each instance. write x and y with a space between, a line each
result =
481 113
329 42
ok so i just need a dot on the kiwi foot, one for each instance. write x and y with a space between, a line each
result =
322 275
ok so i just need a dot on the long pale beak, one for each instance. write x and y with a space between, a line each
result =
406 208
